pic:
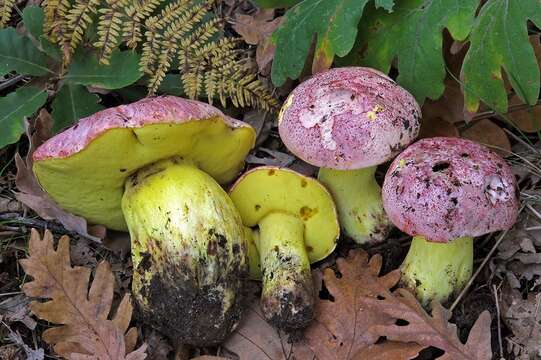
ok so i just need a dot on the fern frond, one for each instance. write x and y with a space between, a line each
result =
78 19
55 18
109 29
135 16
6 7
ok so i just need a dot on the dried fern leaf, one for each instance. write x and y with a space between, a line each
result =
78 19
54 24
136 14
109 29
6 7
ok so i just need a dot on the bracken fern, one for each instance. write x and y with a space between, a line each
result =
181 36
6 7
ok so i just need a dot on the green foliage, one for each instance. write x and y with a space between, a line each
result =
333 21
14 108
409 34
123 70
33 20
72 103
499 39
413 34
17 53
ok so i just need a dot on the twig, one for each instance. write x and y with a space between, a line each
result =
495 289
510 109
14 80
42 224
470 282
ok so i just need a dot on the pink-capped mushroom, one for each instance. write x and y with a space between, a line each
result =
444 192
347 121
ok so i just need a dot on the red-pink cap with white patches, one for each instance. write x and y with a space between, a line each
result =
446 188
348 118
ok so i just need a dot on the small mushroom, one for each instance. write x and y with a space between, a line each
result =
296 224
444 192
152 168
347 121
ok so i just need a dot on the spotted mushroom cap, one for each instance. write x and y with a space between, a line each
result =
348 118
445 188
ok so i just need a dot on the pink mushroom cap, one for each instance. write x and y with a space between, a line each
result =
446 188
348 118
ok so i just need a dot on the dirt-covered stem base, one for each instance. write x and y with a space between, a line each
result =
358 200
287 299
437 271
188 252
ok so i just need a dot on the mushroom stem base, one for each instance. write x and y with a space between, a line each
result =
188 252
358 200
437 271
287 299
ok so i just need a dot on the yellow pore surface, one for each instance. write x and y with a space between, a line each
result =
90 183
268 189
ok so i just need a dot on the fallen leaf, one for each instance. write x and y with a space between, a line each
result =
257 30
389 350
449 107
16 309
255 339
528 119
428 330
30 192
524 319
433 127
342 326
487 132
31 354
9 205
86 331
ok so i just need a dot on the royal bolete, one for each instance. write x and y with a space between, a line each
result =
444 192
347 121
153 168
295 224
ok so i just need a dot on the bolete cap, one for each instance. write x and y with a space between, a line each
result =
267 189
348 118
84 168
446 188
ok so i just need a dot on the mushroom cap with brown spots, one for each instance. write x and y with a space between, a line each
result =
348 118
446 188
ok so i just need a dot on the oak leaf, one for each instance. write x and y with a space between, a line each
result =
489 133
429 330
85 331
389 350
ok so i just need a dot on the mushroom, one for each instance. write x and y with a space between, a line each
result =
444 192
153 168
297 225
347 121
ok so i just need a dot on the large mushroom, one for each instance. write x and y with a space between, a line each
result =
347 121
295 224
444 192
153 168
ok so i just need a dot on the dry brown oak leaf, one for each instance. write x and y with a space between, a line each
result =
86 332
429 330
340 328
389 350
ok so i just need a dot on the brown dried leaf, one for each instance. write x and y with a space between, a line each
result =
86 333
528 119
341 327
524 319
449 107
437 127
429 330
31 194
16 309
257 30
389 350
158 347
487 132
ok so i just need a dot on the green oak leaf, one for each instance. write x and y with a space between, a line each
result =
17 53
14 108
72 103
413 35
122 71
499 39
33 20
334 22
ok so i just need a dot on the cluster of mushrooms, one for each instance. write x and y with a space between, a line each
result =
157 168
